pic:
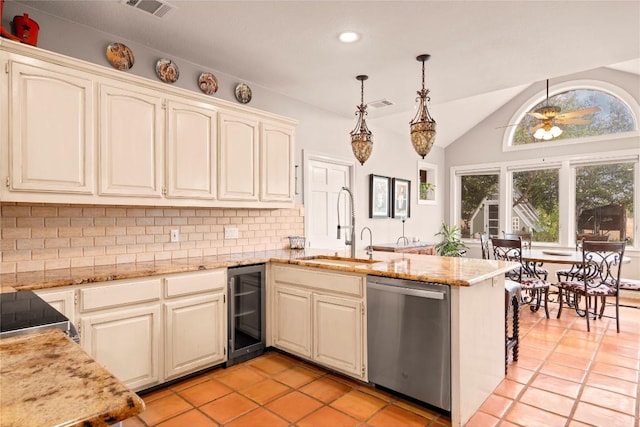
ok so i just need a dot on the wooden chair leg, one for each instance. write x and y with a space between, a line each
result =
559 303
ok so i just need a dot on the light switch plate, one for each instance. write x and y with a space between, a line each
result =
231 232
175 235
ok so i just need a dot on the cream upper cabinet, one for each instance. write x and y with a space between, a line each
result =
191 150
238 165
276 162
131 137
50 129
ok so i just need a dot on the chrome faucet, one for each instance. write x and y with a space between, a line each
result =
351 242
370 247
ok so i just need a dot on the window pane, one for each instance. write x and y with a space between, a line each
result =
535 204
604 200
479 205
614 116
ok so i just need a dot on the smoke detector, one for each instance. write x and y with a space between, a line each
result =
380 103
157 8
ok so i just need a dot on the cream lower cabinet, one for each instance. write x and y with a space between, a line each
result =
61 300
320 315
195 327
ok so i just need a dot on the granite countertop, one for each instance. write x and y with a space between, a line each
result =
48 380
447 270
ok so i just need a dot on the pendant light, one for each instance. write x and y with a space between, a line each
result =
423 127
361 142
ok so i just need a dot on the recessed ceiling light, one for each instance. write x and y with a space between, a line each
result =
349 37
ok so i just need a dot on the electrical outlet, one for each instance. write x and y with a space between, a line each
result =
231 232
175 235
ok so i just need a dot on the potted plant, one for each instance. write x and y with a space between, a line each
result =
451 245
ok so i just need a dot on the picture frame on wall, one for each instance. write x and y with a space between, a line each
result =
401 196
379 200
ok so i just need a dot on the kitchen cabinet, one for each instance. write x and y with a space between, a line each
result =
74 132
131 138
320 315
50 129
191 150
195 322
62 300
238 168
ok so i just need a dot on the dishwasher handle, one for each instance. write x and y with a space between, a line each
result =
421 293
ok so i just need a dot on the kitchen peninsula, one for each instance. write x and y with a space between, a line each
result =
477 301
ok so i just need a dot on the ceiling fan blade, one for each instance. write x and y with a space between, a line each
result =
537 115
573 121
578 113
535 128
507 126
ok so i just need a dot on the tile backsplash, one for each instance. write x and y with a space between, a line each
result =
49 236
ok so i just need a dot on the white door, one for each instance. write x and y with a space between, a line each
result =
323 178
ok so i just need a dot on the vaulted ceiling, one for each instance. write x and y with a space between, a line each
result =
482 52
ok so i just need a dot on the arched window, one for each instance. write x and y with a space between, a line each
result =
615 115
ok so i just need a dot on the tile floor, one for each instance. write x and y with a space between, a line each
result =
565 376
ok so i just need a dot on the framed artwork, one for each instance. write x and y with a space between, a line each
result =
379 196
401 198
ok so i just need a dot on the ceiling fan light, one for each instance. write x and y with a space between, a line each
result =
555 132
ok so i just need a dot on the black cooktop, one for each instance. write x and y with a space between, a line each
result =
25 311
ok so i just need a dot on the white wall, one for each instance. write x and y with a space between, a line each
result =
318 130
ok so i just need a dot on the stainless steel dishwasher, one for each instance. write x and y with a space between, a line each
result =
409 338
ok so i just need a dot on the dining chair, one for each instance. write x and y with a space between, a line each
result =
600 278
532 269
536 288
574 272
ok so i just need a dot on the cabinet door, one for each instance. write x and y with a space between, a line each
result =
196 334
63 301
51 129
338 334
131 135
276 163
238 165
126 342
292 320
191 151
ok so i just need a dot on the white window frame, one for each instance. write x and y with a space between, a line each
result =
566 177
597 85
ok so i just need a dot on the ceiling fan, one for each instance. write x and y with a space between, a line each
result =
550 117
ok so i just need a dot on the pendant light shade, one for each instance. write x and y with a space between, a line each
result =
361 138
423 127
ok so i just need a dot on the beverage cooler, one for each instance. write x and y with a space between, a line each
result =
246 290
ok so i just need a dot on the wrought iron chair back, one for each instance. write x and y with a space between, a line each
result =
509 250
602 262
524 237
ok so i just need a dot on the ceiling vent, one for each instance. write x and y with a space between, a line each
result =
380 103
159 9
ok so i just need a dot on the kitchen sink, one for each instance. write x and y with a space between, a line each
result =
340 261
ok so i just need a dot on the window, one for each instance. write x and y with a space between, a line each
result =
604 200
535 203
479 205
614 116
515 224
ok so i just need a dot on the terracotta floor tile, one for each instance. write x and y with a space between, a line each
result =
228 407
620 350
150 397
615 359
294 406
601 416
265 391
612 384
571 360
537 353
547 401
609 399
358 404
508 388
296 376
496 405
258 418
240 377
505 423
394 416
328 417
519 374
419 410
164 408
563 371
615 371
574 423
480 419
190 418
556 385
271 363
530 363
387 397
188 383
204 392
325 389
526 415
133 422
